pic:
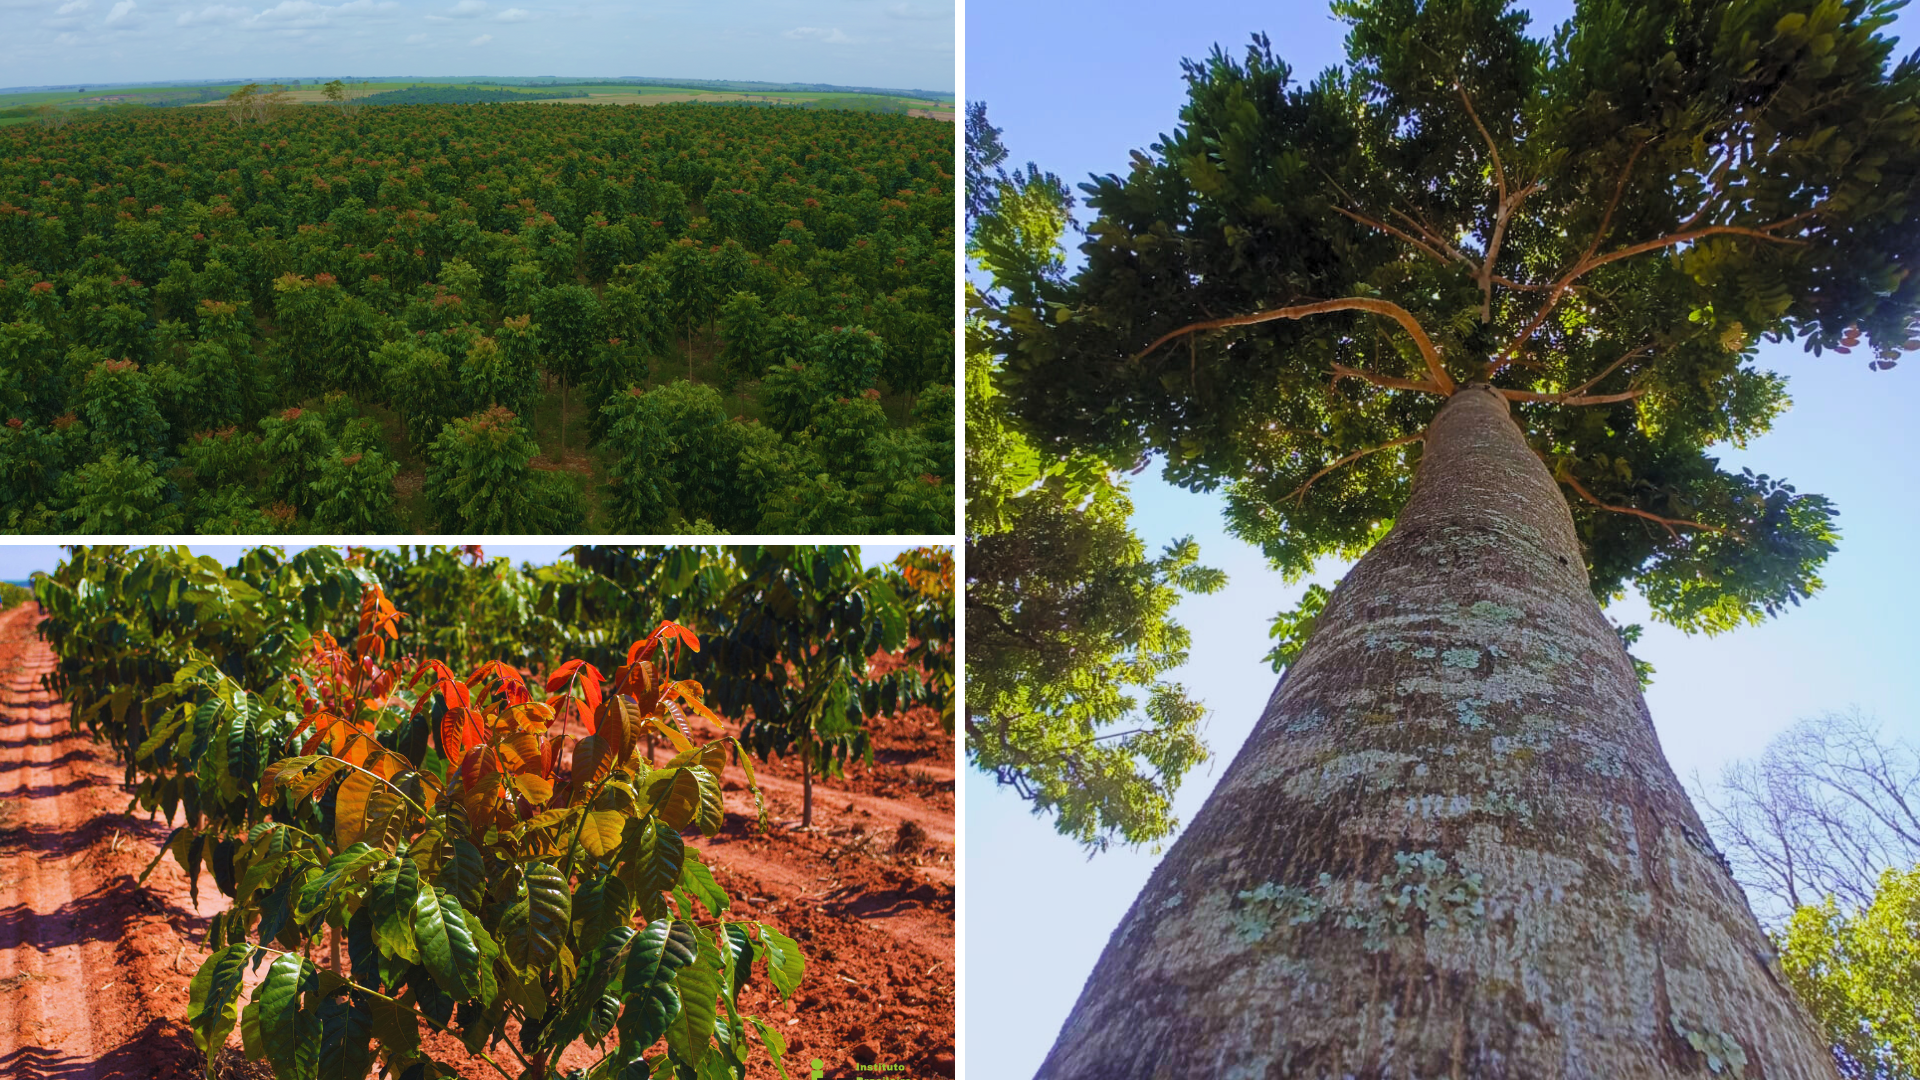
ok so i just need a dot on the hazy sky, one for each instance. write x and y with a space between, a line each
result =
905 44
1036 912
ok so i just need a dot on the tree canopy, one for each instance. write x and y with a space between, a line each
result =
1068 615
1603 224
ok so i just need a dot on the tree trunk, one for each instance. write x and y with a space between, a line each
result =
1452 846
806 783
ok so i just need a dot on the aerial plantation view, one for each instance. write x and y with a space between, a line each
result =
417 812
1490 321
274 315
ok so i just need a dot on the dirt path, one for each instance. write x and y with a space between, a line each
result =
89 989
94 968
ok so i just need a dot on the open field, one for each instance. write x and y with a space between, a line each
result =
15 107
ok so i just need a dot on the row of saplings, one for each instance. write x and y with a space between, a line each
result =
405 849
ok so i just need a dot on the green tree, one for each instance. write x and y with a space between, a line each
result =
1538 271
1859 973
795 648
671 449
689 281
616 366
122 410
1054 688
479 480
848 358
570 328
295 445
118 493
744 353
354 493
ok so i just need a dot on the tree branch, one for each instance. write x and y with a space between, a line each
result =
1608 370
1665 523
1342 371
1423 246
1300 493
1441 383
1589 263
1499 172
1569 398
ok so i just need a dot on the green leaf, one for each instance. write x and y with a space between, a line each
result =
775 1043
284 1031
340 869
169 727
698 881
688 795
599 906
175 845
533 928
785 965
212 997
395 890
463 874
738 947
587 1011
345 1028
651 856
654 956
690 1034
447 948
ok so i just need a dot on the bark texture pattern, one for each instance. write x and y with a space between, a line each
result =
1452 846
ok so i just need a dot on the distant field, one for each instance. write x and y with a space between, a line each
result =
20 108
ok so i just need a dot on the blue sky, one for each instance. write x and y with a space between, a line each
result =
904 44
1037 913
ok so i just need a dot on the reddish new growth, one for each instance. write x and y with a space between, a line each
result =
65 421
498 416
119 365
292 414
351 460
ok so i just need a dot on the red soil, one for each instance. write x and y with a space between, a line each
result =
94 968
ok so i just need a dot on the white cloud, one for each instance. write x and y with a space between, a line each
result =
72 6
481 40
831 36
214 13
904 10
514 15
120 11
465 9
416 39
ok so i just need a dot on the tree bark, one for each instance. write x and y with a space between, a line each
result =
806 782
1452 846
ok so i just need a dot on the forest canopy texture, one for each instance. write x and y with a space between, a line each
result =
1605 225
419 317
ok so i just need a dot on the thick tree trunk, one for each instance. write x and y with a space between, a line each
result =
1452 846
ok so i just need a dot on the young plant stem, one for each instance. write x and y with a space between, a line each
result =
806 779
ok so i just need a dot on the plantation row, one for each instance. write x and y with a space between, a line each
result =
405 848
465 318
